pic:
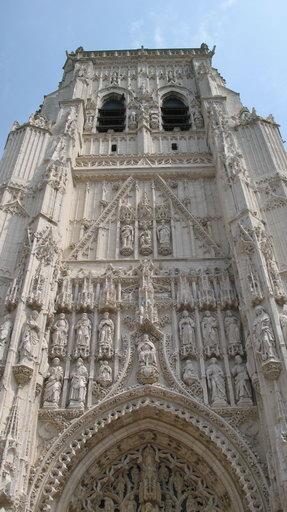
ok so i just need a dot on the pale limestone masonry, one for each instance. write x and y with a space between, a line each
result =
143 286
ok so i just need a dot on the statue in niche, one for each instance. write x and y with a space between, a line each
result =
149 488
83 329
127 239
53 386
206 291
283 322
243 394
133 120
147 309
5 333
148 371
104 378
108 295
60 335
79 379
189 374
184 294
232 329
164 238
145 242
263 335
29 339
210 335
196 114
106 337
187 335
216 382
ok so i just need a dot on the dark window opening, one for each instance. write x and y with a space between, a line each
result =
112 115
174 146
114 147
175 114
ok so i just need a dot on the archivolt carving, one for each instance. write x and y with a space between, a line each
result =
151 477
189 416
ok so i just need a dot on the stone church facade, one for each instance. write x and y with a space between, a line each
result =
143 277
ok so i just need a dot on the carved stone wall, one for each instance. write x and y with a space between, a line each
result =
142 279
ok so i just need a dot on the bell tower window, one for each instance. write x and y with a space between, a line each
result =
175 114
112 115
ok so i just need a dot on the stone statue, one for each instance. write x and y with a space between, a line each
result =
53 386
104 377
83 329
108 294
263 335
149 488
187 335
5 333
106 337
148 372
129 505
127 239
210 334
216 382
232 330
133 120
60 335
242 385
164 238
29 339
189 374
283 322
79 379
145 242
109 505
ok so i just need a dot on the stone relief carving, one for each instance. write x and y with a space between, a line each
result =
232 330
150 479
5 333
189 373
216 383
164 238
127 240
187 337
105 375
283 322
243 393
53 385
148 370
59 336
106 337
263 335
29 340
83 330
210 335
78 387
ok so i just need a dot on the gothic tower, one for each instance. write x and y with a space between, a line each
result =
143 330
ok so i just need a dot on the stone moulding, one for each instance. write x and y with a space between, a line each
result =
216 434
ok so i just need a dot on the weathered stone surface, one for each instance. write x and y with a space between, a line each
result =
142 289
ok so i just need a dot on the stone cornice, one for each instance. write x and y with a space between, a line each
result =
143 161
140 53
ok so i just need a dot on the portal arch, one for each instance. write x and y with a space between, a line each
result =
182 425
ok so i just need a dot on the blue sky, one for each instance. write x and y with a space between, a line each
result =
250 36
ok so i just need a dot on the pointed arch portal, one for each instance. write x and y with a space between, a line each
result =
148 451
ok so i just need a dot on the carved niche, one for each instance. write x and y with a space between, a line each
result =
149 479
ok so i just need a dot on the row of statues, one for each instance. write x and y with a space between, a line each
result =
83 329
163 232
210 334
217 386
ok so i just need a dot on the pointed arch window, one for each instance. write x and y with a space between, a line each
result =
175 114
112 114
